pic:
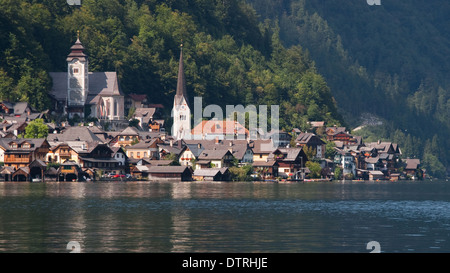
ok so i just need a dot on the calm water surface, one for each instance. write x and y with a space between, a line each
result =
225 217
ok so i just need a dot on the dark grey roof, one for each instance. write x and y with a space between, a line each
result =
100 84
75 133
20 107
167 169
145 113
212 154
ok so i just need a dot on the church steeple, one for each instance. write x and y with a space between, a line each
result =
77 78
77 50
181 83
181 113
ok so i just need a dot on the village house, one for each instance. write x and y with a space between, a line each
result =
214 159
261 149
211 174
169 173
291 162
170 147
219 129
98 156
412 167
266 169
60 153
120 155
21 152
151 118
311 141
190 154
346 161
339 134
144 149
74 133
70 171
127 137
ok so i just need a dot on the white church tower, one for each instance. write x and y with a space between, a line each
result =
181 113
77 79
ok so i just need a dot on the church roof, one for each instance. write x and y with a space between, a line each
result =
77 51
100 84
181 83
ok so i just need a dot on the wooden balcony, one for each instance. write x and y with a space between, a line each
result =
17 160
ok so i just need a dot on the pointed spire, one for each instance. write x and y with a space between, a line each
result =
181 83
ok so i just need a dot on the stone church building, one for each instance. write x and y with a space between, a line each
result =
80 92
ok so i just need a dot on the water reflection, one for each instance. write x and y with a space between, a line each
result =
224 217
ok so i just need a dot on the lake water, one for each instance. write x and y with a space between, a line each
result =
227 217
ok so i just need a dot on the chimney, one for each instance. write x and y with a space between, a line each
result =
199 145
217 140
171 143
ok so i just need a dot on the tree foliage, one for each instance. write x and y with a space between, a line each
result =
389 60
36 129
230 57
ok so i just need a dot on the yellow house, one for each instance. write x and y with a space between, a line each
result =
61 153
144 149
261 149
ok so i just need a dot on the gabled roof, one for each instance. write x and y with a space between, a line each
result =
290 153
167 169
219 127
305 138
75 133
335 130
143 144
412 164
262 146
129 131
207 172
213 154
100 84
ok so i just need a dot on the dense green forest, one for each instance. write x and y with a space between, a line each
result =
230 57
390 61
319 60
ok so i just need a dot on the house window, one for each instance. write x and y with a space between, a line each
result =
131 154
138 154
75 71
145 154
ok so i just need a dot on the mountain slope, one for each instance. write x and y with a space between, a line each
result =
229 57
391 61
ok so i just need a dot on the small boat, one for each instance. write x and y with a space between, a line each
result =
35 180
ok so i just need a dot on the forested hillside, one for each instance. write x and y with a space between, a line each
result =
390 61
230 58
